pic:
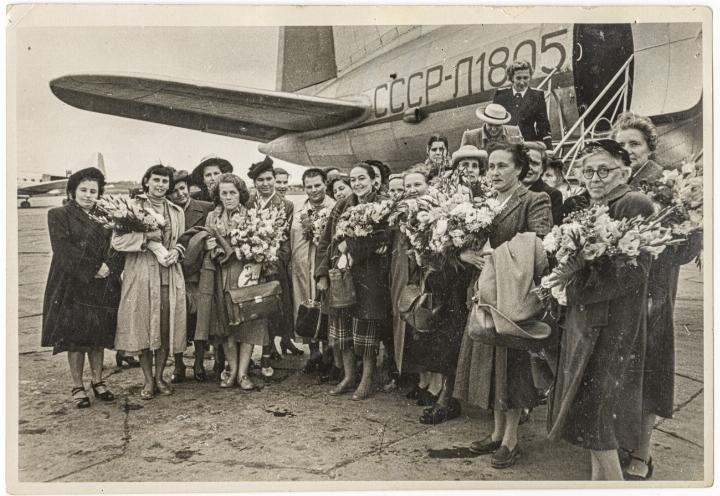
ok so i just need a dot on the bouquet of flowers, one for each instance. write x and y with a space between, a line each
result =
590 237
125 216
415 217
363 219
680 193
469 222
313 223
258 235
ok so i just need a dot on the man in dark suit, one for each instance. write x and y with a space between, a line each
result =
533 180
195 213
526 105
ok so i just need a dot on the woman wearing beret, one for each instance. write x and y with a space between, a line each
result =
498 378
83 287
356 330
152 313
597 399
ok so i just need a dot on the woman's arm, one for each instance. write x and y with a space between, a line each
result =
69 251
539 215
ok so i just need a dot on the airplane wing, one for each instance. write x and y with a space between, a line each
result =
42 188
251 114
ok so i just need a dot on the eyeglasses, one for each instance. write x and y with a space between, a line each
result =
602 172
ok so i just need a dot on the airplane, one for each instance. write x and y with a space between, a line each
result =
350 93
32 184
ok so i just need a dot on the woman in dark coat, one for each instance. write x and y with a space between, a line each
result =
597 399
638 135
83 287
499 378
357 329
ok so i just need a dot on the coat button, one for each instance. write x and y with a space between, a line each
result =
582 308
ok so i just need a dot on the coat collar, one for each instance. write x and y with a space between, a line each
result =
615 194
143 198
79 214
515 199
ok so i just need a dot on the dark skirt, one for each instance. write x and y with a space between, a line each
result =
431 351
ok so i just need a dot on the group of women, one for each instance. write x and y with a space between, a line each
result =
612 361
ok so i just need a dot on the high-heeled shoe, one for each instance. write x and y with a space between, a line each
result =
105 395
289 348
246 384
80 401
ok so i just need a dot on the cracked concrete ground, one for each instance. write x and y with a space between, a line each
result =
291 429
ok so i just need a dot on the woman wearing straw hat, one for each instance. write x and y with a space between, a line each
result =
495 129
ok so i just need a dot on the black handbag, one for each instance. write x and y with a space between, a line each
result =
311 322
260 301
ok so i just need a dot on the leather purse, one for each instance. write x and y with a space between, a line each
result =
341 290
259 301
481 328
415 307
311 322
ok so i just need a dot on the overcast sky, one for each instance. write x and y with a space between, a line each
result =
53 136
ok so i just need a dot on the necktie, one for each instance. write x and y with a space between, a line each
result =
518 96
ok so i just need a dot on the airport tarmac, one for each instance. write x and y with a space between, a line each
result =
291 429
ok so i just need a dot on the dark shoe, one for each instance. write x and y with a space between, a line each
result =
200 374
525 415
162 388
314 364
504 458
105 395
178 376
81 400
439 414
426 398
632 477
265 368
130 360
485 446
290 348
413 393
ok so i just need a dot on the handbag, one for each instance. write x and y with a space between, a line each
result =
415 307
311 322
259 301
481 328
341 291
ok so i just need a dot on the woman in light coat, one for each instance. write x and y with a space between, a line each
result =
152 314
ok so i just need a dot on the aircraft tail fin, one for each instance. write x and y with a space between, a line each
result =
97 161
306 57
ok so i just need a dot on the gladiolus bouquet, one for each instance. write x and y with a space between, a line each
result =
363 219
124 216
313 223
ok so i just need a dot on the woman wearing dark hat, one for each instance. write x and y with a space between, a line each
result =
205 174
358 328
597 400
83 286
152 312
266 197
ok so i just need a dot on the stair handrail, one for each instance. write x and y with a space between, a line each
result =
621 71
547 78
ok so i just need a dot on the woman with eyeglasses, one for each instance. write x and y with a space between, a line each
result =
638 135
597 399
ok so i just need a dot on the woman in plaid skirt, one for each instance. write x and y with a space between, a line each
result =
356 330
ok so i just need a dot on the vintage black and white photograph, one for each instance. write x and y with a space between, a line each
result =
326 245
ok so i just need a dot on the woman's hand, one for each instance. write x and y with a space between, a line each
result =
342 247
172 257
210 243
322 283
102 272
155 235
475 258
381 250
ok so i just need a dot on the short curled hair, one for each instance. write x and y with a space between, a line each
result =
630 120
331 184
230 178
519 153
159 170
539 146
314 172
89 174
519 65
438 137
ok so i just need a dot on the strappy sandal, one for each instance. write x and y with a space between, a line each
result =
632 477
105 395
80 401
